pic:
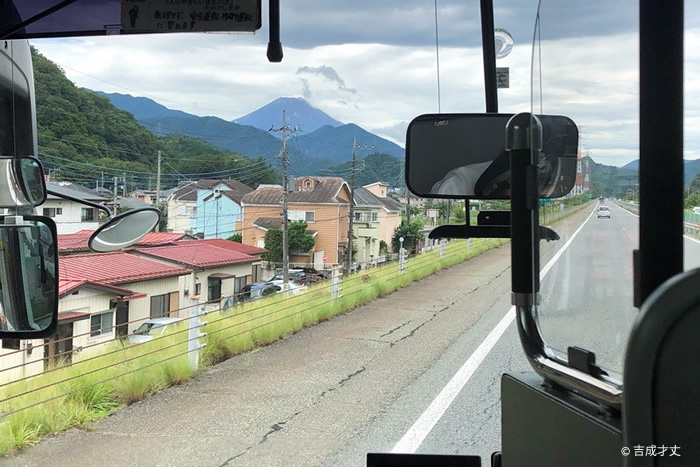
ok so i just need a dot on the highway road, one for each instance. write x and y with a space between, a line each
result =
416 371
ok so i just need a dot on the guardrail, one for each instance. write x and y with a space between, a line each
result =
691 220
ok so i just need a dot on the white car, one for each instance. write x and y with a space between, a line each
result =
603 211
152 328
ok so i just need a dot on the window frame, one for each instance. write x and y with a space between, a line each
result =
100 331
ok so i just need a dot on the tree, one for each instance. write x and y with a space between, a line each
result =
299 241
237 237
412 232
695 184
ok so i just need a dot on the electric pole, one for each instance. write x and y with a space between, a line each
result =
158 189
285 195
352 198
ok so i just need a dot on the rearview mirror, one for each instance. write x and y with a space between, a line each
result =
25 182
28 277
124 230
463 155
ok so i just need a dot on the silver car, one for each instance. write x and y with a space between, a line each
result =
152 328
603 211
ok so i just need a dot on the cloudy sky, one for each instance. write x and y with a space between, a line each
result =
374 64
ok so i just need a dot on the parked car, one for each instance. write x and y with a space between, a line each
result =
152 328
296 275
263 289
604 211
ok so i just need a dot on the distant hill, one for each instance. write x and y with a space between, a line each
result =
373 168
142 107
691 167
309 151
85 139
336 143
298 113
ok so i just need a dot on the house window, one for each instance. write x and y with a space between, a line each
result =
214 289
310 217
198 288
239 283
53 212
101 325
307 216
87 215
10 344
160 306
358 216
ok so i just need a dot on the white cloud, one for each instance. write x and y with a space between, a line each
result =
383 85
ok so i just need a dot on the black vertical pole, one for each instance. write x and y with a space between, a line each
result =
660 143
488 43
274 47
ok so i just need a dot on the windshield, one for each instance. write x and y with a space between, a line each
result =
397 342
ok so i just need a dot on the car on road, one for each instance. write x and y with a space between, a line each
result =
152 328
603 211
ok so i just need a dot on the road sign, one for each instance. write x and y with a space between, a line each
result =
503 77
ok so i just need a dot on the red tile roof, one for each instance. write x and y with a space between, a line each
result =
78 241
66 287
114 268
233 246
198 254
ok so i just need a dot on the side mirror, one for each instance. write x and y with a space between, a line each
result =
124 230
461 156
25 182
28 277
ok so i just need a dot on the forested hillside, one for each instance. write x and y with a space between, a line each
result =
373 168
88 139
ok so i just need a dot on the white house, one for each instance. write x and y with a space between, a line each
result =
71 216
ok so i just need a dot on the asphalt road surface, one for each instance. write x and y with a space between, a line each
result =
416 371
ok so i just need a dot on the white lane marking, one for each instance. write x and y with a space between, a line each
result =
413 438
684 236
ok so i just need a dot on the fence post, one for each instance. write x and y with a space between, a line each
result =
443 245
194 335
335 282
402 260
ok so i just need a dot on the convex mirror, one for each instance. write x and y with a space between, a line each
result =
21 182
463 155
28 277
124 230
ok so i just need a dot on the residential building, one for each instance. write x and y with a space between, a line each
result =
389 215
218 207
217 273
182 209
71 216
101 297
365 225
322 202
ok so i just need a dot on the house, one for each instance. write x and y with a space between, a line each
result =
71 216
218 207
216 273
182 208
267 223
365 225
322 202
389 215
107 295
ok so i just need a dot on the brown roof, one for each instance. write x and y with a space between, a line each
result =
198 254
323 190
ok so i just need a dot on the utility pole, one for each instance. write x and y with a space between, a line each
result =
352 203
285 196
158 189
352 198
115 186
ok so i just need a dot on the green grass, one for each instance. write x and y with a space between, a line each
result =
76 395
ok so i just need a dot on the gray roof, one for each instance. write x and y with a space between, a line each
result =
74 190
130 203
365 198
186 193
391 204
321 190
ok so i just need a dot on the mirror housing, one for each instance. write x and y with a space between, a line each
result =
28 277
459 156
124 230
23 182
